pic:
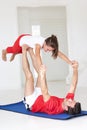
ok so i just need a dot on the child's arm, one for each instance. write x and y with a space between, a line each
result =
64 57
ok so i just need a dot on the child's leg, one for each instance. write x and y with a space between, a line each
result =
12 57
29 85
10 50
15 49
4 52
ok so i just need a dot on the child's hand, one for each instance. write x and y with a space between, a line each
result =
75 64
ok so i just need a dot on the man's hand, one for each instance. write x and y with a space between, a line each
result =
75 64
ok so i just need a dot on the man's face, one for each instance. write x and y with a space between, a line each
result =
69 103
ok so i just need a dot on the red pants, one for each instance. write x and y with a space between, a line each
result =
16 48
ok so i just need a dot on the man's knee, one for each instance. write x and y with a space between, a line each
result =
30 79
29 75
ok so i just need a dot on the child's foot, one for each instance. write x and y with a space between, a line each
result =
4 55
12 57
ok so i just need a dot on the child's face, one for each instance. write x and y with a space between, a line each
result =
47 48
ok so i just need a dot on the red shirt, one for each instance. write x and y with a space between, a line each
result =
52 106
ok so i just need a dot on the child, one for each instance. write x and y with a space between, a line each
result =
37 43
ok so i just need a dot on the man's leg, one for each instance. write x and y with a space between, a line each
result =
43 82
29 85
33 58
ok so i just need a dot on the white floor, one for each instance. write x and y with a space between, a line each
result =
16 121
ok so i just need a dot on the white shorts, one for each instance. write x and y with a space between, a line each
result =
29 100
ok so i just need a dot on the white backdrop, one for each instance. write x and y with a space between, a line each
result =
10 76
49 23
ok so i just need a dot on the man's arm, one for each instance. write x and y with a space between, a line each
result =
43 83
74 78
64 57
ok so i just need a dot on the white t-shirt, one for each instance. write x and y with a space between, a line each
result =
31 41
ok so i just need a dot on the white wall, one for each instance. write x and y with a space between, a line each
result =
77 30
77 36
49 23
9 72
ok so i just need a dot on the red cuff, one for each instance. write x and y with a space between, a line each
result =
70 96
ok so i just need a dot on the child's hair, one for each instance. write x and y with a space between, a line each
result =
75 110
53 42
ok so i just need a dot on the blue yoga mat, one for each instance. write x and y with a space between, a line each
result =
19 107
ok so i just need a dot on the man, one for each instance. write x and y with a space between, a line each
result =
38 99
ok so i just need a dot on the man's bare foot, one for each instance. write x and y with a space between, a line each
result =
42 71
25 47
4 55
12 57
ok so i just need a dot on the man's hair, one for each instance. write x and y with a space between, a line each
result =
52 41
75 110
